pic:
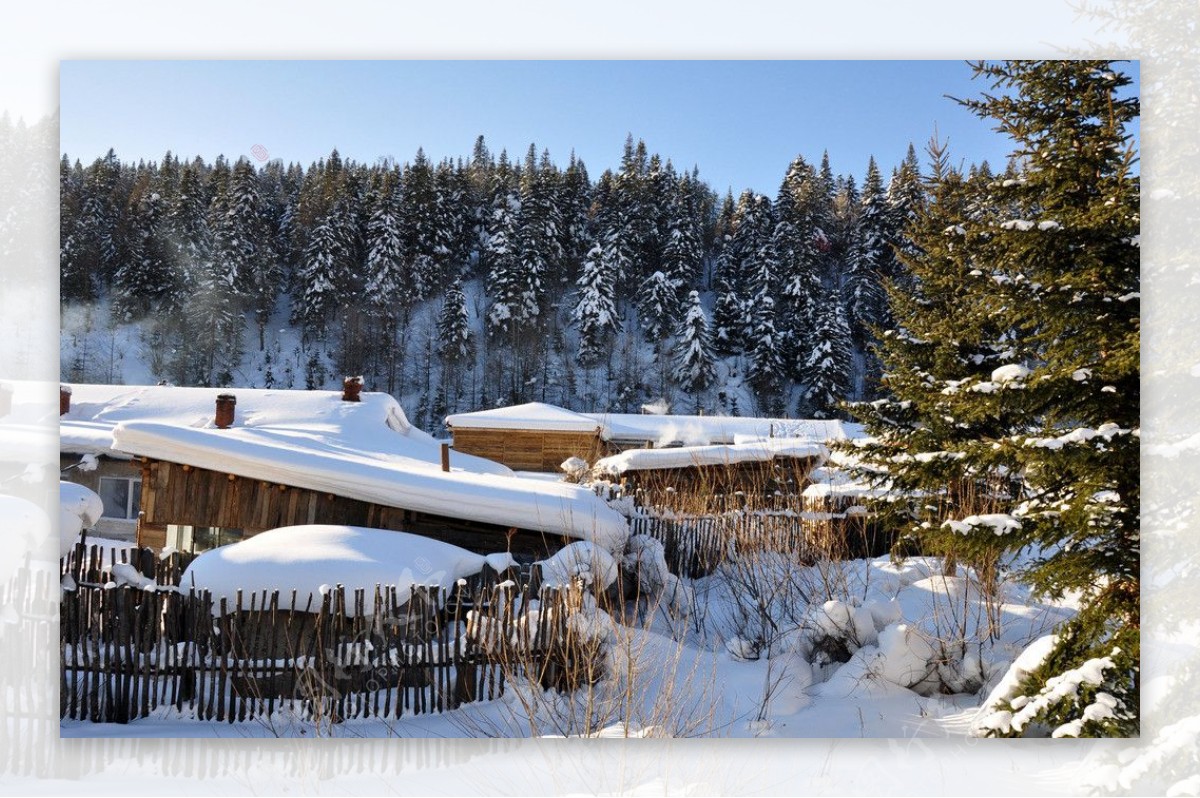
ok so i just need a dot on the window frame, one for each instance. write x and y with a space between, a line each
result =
133 497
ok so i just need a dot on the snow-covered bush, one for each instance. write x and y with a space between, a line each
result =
575 469
581 562
645 562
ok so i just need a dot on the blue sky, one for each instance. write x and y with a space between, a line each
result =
741 122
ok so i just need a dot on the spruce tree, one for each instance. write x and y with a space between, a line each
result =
455 341
693 353
828 366
1015 382
595 312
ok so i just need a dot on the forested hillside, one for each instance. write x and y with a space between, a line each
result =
487 281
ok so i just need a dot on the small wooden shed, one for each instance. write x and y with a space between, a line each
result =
528 437
715 478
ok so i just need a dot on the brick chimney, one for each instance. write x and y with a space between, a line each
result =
351 387
225 405
64 399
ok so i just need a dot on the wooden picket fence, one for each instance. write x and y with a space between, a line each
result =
127 652
94 565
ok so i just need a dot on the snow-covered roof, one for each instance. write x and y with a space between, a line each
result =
360 450
684 456
374 428
662 429
529 416
700 430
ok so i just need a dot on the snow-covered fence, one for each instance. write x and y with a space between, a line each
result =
94 564
129 652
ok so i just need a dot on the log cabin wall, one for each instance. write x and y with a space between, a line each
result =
173 493
529 450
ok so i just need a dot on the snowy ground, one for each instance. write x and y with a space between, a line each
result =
901 652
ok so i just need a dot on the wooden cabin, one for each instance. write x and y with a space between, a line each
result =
712 479
529 437
192 508
212 467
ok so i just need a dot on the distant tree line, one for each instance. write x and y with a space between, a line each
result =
471 283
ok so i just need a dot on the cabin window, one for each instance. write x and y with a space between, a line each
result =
202 538
122 497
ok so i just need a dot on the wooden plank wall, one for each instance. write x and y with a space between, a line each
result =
180 494
529 450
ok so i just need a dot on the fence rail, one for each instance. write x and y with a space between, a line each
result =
127 652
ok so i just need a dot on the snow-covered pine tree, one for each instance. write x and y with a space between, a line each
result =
1014 380
190 255
455 341
320 277
501 253
905 197
694 369
658 313
75 283
595 312
387 278
764 348
728 320
421 233
683 255
658 308
242 236
1073 258
798 238
455 347
827 369
575 200
865 298
143 275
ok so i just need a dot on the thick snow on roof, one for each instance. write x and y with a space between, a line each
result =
529 416
662 429
556 508
700 430
313 559
361 450
374 428
684 456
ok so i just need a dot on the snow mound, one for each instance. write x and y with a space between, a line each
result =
81 501
307 558
582 560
